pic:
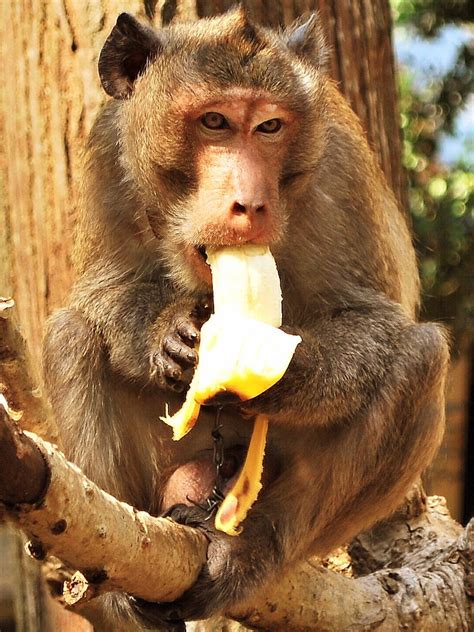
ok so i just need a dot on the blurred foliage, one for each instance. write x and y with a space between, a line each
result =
441 198
428 16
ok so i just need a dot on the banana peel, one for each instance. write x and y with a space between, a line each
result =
241 351
235 506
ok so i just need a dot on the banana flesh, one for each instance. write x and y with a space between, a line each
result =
245 282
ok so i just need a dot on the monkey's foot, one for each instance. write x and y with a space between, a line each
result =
234 567
195 603
150 617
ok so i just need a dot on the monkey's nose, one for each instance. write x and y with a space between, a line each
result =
247 221
247 209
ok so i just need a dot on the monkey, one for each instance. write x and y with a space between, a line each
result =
223 132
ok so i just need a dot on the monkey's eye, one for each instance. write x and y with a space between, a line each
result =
214 120
270 127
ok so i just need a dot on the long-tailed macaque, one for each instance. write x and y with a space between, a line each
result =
222 132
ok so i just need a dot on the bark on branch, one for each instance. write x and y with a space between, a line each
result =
414 571
427 586
112 543
109 541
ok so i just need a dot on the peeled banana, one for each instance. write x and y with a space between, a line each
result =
241 351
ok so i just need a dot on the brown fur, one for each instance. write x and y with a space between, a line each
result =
359 413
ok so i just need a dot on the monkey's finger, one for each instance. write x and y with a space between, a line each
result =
180 352
171 369
188 331
168 373
203 309
165 366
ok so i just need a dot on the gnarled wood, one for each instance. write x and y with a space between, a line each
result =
414 571
426 590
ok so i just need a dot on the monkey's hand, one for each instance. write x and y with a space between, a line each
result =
173 339
341 364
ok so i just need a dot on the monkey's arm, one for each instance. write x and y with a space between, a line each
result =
148 332
342 363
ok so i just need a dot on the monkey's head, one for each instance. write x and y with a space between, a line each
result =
219 124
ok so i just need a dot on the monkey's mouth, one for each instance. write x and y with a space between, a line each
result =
196 259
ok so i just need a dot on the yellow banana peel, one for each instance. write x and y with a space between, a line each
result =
235 506
241 351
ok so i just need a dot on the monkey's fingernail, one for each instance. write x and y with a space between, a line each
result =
178 387
192 357
205 310
192 339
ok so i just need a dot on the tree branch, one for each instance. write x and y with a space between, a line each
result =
23 472
419 563
428 589
111 543
89 529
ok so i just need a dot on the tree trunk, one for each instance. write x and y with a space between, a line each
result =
50 96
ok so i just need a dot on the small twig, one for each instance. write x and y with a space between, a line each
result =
19 383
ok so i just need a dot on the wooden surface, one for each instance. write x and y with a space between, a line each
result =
50 95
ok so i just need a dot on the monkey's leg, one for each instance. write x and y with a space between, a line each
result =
337 480
343 477
373 459
97 438
75 371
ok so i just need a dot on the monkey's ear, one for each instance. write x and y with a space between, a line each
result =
239 15
305 37
126 52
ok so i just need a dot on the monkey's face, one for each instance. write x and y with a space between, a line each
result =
237 144
218 121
